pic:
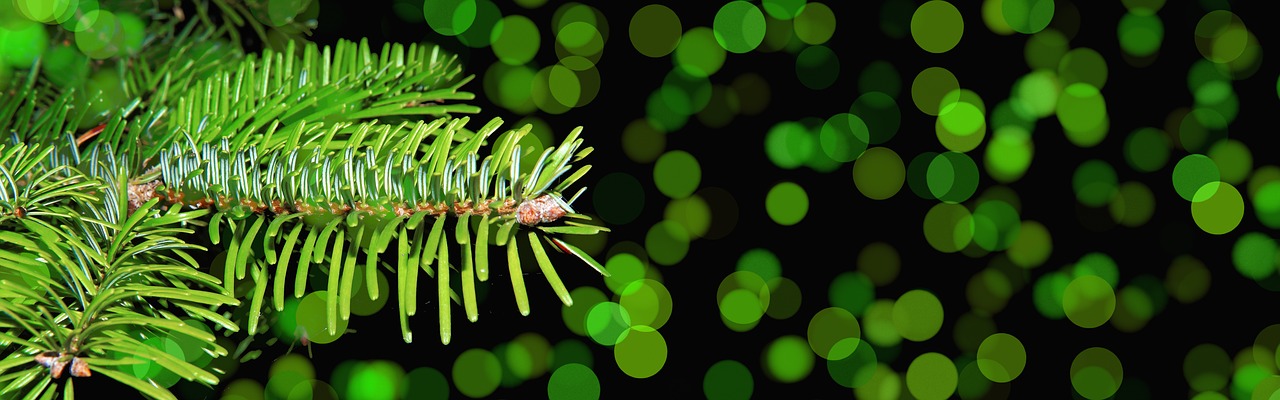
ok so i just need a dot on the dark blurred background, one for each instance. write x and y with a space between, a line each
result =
841 221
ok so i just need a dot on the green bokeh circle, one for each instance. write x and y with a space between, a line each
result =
815 24
830 326
1254 255
1192 173
1147 149
655 30
1082 112
677 174
476 373
698 52
1027 16
788 359
937 26
728 380
739 26
879 173
917 315
1220 209
1001 357
817 67
1096 373
515 39
787 203
573 382
449 17
667 242
1089 301
948 227
851 363
932 376
642 353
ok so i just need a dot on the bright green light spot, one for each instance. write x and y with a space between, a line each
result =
573 382
932 376
917 315
677 174
993 17
788 359
1089 301
515 39
1027 16
787 203
1035 95
1254 255
449 17
1266 204
741 306
607 323
564 85
830 326
624 268
584 299
1217 208
1001 357
642 353
1008 154
648 302
376 380
815 24
789 144
1083 114
22 43
739 26
1140 35
937 26
312 320
961 118
476 373
698 52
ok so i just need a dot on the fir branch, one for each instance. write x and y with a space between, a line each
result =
378 183
74 288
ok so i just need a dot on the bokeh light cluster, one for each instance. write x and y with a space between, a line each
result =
903 199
